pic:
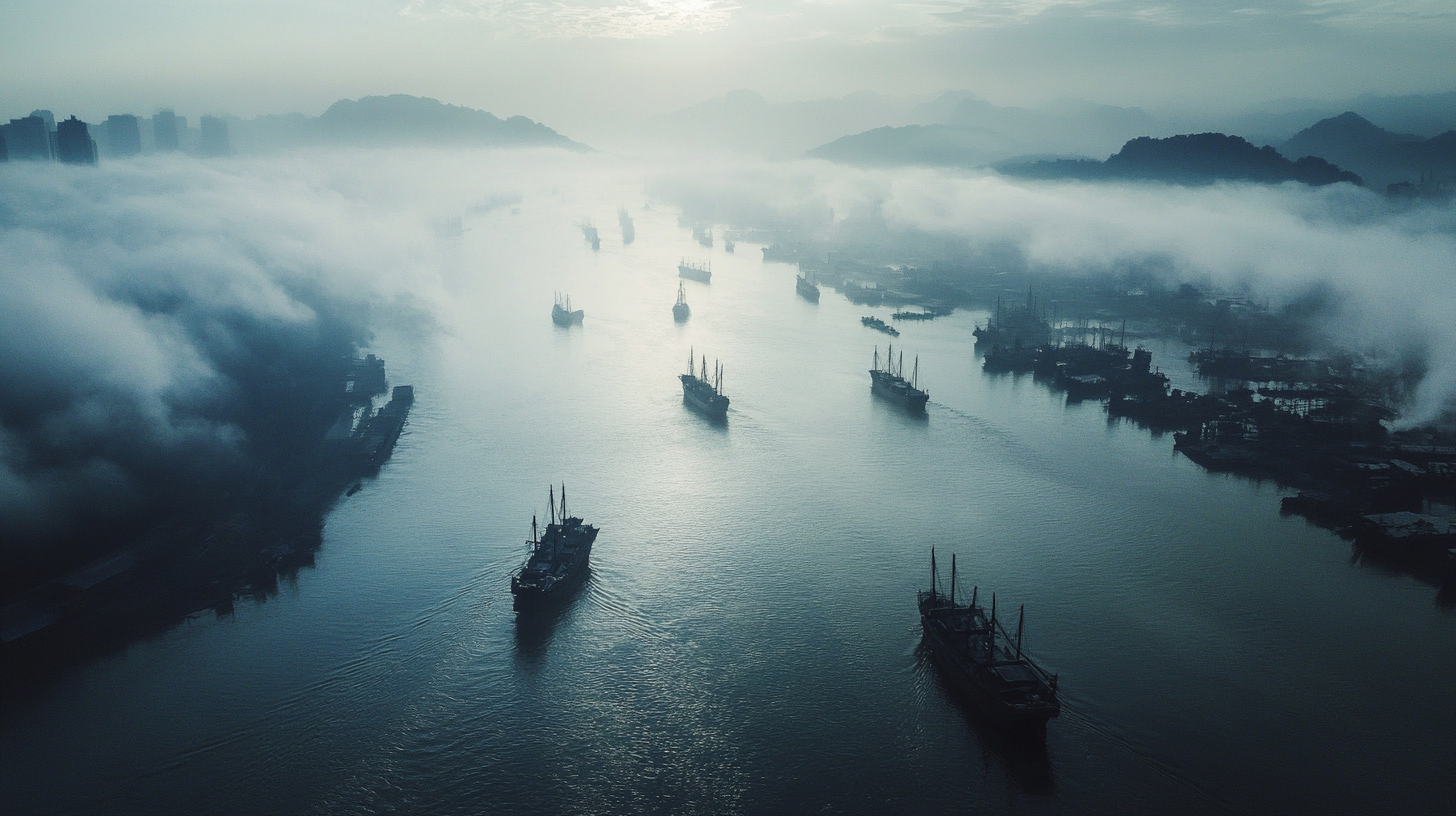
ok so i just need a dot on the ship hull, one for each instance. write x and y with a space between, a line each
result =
561 317
532 599
558 567
808 291
713 406
908 398
692 273
681 312
1028 720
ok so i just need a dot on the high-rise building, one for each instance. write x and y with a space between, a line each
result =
164 130
47 117
74 144
27 139
123 135
214 141
4 152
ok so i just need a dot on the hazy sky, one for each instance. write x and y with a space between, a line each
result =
572 62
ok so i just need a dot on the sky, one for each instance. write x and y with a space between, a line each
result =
576 63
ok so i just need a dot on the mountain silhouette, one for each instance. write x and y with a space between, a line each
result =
1190 159
1383 157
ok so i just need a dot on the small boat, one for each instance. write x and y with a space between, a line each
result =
728 243
880 325
561 313
629 232
680 310
983 662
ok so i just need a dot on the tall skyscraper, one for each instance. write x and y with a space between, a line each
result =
123 135
4 152
47 117
74 144
214 140
28 139
164 130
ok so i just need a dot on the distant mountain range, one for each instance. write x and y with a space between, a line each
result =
1054 143
744 121
1189 159
390 121
974 133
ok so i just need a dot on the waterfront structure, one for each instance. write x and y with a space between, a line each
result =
28 140
164 131
74 144
214 141
123 135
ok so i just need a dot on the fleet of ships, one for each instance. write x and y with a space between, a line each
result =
970 644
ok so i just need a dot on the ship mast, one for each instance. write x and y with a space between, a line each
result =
535 537
933 579
915 375
1021 621
563 502
692 362
952 580
551 500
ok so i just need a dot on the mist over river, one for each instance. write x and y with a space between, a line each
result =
748 640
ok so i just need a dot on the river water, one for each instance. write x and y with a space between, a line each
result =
748 640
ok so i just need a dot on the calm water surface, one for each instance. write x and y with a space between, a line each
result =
748 641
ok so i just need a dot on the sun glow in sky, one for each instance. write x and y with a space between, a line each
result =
575 63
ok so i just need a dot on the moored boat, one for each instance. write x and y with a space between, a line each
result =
808 289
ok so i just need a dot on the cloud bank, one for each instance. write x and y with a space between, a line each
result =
162 324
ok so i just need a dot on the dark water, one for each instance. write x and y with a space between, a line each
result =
748 641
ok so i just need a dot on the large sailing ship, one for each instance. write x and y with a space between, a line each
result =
558 560
703 393
983 661
890 383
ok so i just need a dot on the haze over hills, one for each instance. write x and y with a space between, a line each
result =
744 121
396 120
